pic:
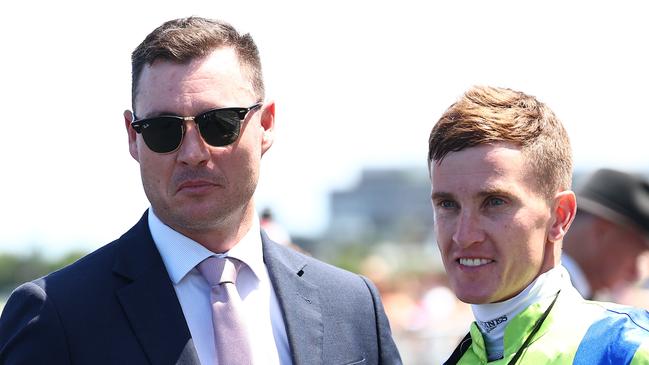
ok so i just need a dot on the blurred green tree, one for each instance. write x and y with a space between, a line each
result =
17 269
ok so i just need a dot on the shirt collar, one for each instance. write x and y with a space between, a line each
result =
577 276
493 318
181 254
249 249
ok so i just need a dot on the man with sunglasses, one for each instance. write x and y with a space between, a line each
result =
501 168
196 281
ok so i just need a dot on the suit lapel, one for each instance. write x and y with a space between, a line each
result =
150 302
299 301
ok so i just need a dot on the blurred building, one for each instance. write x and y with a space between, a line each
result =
385 205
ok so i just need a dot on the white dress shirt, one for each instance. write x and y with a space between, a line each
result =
261 309
577 276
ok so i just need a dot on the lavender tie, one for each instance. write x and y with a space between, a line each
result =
230 337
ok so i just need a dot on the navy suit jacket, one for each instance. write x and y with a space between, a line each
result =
117 305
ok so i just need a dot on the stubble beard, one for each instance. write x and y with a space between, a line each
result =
200 217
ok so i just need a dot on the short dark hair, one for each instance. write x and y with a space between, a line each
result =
485 115
182 40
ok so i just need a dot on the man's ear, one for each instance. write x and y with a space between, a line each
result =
268 125
563 213
132 135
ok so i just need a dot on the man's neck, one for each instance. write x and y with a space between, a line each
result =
224 234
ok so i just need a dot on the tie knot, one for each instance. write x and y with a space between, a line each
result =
219 270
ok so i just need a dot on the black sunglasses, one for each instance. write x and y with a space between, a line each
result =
218 127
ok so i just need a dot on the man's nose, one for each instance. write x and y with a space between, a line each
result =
193 150
468 230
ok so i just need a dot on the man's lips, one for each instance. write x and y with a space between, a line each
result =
195 185
196 180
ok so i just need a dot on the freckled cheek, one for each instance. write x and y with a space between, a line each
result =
516 224
445 250
443 228
531 227
444 236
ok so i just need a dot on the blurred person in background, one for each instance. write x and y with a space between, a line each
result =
610 232
273 229
501 168
196 281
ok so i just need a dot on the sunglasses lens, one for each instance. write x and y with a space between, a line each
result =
162 134
219 127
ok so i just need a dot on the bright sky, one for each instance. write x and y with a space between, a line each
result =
357 84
